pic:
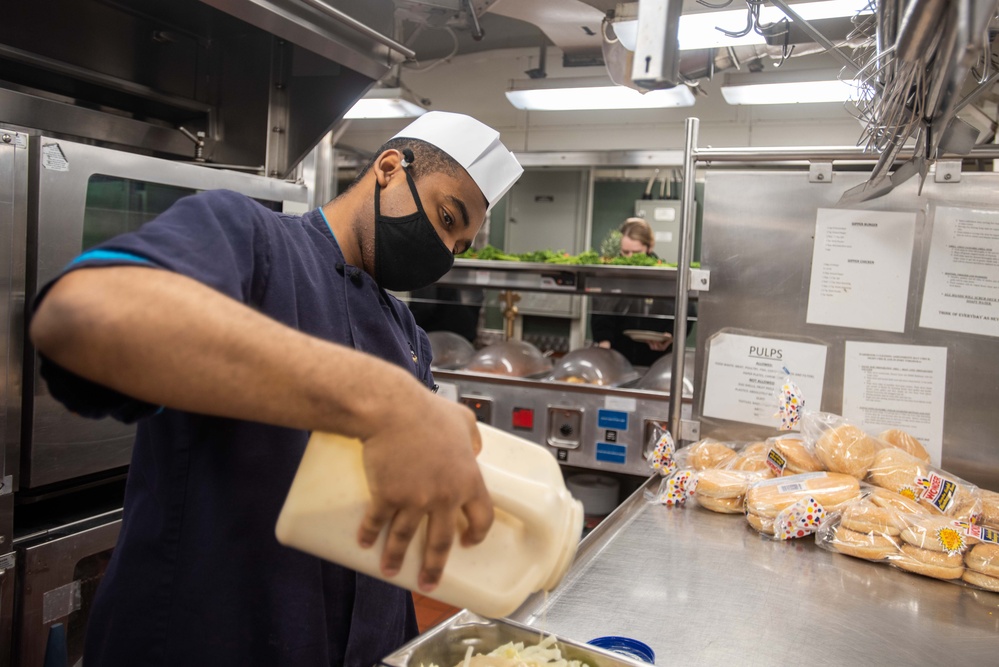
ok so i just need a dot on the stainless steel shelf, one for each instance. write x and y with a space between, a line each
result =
591 280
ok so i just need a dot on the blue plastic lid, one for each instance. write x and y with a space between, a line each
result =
626 646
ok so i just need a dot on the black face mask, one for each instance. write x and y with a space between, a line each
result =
408 252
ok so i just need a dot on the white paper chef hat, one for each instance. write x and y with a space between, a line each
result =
473 145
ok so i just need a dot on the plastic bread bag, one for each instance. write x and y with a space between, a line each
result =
990 507
789 454
706 453
752 457
950 549
662 452
868 528
793 507
723 491
673 491
838 445
935 489
883 526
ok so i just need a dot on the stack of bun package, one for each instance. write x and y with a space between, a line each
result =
911 515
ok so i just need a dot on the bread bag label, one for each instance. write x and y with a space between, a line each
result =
661 458
939 491
799 520
776 462
796 479
677 489
981 533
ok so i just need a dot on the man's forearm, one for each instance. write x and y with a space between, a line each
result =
169 340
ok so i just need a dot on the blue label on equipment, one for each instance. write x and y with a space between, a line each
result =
611 453
612 419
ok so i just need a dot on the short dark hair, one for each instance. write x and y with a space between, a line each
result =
427 159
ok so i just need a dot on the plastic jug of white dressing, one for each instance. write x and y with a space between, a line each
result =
529 547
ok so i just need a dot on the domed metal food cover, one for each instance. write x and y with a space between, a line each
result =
450 349
660 374
513 357
594 365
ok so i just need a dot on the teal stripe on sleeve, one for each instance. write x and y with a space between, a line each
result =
109 255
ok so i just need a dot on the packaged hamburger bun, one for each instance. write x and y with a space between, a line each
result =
760 524
720 505
869 546
984 559
789 454
716 483
840 446
769 497
990 507
935 533
752 458
877 528
794 507
929 563
897 471
898 438
980 580
723 490
864 516
705 454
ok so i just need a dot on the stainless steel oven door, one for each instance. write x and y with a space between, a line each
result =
57 579
86 194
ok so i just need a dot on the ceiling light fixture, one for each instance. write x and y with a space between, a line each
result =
385 103
579 94
700 31
795 92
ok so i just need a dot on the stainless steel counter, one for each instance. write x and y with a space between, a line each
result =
705 589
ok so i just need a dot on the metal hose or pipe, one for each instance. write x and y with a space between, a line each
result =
685 252
365 30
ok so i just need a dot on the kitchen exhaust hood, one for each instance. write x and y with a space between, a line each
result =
251 84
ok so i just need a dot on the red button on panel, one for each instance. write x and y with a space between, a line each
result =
523 418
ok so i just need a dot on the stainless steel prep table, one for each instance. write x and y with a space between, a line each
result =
705 589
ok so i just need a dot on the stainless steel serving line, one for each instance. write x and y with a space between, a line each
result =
703 588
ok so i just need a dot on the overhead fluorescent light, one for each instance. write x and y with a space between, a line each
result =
700 31
385 103
798 92
580 93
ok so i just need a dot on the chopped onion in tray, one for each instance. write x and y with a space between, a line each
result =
542 654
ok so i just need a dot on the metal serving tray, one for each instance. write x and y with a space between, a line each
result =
446 644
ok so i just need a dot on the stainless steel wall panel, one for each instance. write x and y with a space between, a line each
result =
757 243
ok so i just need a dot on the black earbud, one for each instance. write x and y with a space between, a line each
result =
407 157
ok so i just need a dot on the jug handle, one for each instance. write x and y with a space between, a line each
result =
510 493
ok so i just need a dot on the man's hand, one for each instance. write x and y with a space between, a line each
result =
421 462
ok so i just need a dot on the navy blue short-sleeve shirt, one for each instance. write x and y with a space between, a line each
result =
197 577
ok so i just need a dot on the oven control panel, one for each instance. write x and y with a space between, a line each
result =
585 427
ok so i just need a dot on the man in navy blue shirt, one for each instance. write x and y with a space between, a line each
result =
229 332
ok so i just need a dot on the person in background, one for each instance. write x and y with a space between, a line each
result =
229 332
612 316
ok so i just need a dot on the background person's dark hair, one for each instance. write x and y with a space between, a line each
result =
427 159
